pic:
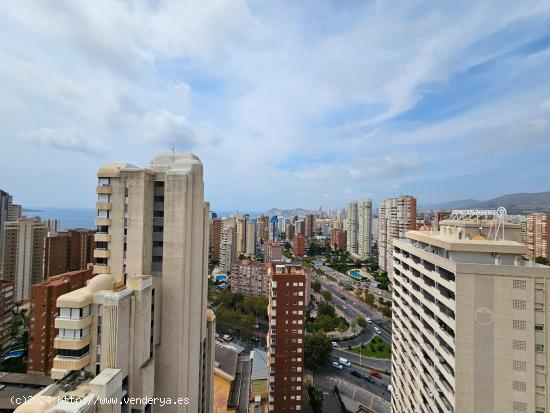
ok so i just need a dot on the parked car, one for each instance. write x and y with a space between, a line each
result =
376 373
368 319
344 362
368 378
343 298
334 344
356 374
337 365
377 330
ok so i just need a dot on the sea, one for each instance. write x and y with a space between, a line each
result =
69 218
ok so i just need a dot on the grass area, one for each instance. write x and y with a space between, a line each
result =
376 348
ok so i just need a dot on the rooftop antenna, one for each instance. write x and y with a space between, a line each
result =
173 153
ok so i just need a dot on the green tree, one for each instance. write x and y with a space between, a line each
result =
327 295
324 308
316 285
541 260
317 350
369 298
325 323
316 399
386 311
361 322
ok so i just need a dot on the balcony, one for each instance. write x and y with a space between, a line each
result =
102 221
102 269
99 237
103 205
104 189
71 364
99 253
71 344
73 323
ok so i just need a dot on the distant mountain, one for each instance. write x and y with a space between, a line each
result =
287 213
515 203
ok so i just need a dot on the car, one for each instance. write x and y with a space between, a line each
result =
344 362
356 374
337 365
343 298
377 330
376 374
368 319
334 344
368 378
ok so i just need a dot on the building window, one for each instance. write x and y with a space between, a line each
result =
520 386
73 353
104 181
520 345
159 184
158 228
518 365
158 214
519 304
539 348
519 324
519 284
159 198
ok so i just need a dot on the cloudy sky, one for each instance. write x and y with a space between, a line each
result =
288 104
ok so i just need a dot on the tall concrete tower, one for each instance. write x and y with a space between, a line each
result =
154 221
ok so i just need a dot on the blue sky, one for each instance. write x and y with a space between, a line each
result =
288 104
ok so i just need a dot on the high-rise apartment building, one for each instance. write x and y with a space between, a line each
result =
469 324
154 221
289 231
287 305
538 235
7 289
249 278
241 234
338 239
309 222
24 254
352 228
251 238
273 252
300 227
364 229
262 226
8 212
68 251
43 312
228 245
215 238
396 216
274 228
299 246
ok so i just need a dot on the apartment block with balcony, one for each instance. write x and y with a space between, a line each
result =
250 278
7 297
285 340
537 234
469 324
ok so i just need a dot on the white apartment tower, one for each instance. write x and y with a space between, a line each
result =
352 228
154 221
364 235
469 322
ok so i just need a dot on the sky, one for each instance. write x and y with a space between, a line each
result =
288 104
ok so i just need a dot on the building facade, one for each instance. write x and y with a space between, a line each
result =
287 304
299 246
228 245
251 238
215 238
154 221
469 322
338 239
68 251
273 252
7 295
249 278
24 254
396 216
364 229
538 236
43 312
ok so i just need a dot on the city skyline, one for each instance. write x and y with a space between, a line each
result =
367 100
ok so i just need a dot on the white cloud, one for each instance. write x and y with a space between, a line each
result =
69 139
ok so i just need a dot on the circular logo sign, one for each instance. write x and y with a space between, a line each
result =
484 316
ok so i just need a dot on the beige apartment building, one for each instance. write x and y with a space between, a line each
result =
364 234
352 228
154 221
24 254
537 235
228 245
396 216
241 234
249 278
469 325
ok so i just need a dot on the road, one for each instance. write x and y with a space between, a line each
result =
355 359
374 396
352 308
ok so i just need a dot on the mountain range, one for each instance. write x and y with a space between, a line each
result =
514 203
